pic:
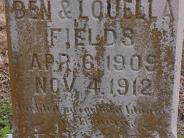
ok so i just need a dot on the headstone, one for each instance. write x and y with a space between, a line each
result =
94 68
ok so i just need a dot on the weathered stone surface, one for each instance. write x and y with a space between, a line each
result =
96 68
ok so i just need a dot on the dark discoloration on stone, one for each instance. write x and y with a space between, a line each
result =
95 74
156 123
44 123
144 109
112 123
100 49
23 93
147 38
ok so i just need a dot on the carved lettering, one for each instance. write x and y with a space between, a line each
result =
66 10
49 60
107 37
123 86
53 36
34 11
79 37
136 62
35 63
81 16
40 85
97 9
88 62
119 62
67 87
109 9
19 8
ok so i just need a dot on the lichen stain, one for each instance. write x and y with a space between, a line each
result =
94 74
169 55
41 124
97 73
155 124
150 40
156 37
165 62
152 126
111 124
32 38
100 49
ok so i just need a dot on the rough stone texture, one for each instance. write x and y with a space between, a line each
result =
71 76
181 103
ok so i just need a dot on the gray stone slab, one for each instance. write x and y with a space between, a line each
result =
95 68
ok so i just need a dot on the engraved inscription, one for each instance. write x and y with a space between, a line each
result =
93 68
